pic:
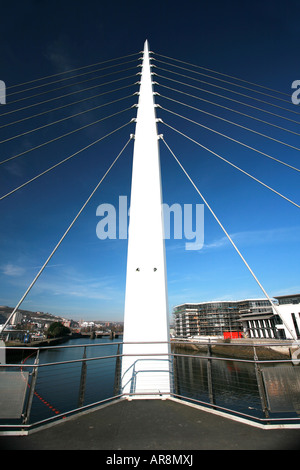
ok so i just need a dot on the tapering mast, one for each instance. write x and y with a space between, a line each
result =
146 304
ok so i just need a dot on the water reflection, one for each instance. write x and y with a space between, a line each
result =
58 385
282 384
226 383
229 384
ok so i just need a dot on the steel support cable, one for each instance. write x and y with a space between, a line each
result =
225 89
60 137
69 85
65 159
226 81
233 165
65 105
70 78
238 125
234 111
224 75
226 98
232 139
65 119
228 236
73 93
69 228
72 70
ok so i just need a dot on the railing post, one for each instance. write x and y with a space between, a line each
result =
261 387
209 375
31 389
82 380
117 381
175 375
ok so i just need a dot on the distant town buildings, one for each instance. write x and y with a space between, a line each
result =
252 318
26 326
249 318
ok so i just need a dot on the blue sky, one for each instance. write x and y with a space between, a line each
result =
85 279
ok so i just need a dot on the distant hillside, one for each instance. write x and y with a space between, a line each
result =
34 316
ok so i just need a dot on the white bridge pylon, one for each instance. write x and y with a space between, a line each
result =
146 367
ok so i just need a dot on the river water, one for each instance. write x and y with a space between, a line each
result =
58 385
233 383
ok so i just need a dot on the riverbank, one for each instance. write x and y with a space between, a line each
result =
16 351
39 344
238 349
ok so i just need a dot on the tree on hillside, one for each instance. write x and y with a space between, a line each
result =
57 329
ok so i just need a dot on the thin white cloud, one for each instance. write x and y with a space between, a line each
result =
69 283
12 270
255 237
293 289
244 238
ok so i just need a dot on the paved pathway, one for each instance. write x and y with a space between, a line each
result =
153 425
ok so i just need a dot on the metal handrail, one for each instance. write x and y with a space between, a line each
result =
251 361
187 395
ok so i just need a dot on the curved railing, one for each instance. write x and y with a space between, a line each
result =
257 382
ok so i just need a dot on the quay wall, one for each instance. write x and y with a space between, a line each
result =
234 349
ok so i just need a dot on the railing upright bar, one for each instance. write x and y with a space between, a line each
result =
261 387
209 375
117 380
82 380
31 389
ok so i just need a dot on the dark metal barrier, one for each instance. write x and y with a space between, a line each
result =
259 382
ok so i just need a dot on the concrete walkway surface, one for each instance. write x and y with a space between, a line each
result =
152 425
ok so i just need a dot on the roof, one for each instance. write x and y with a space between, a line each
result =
286 296
223 302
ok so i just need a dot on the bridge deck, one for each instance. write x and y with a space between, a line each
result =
153 425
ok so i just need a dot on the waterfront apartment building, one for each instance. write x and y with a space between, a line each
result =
258 319
289 310
252 318
206 319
